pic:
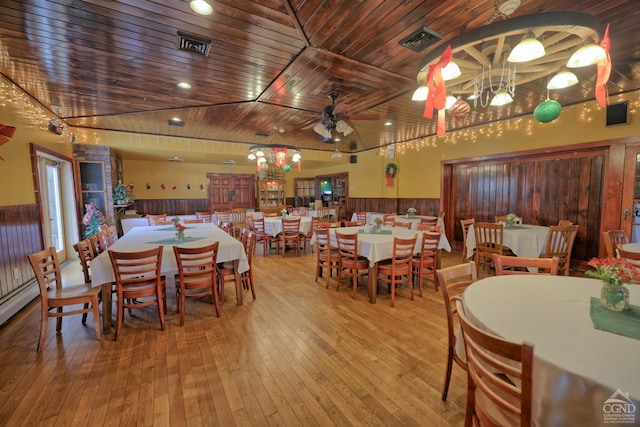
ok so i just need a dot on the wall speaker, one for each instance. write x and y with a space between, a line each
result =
618 114
353 158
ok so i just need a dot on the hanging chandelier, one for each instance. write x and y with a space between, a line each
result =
280 156
542 45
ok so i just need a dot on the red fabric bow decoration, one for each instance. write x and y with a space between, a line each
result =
604 71
6 133
437 96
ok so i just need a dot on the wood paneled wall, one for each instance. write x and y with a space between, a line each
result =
422 206
542 189
19 236
171 206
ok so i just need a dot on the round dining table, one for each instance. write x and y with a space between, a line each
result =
576 368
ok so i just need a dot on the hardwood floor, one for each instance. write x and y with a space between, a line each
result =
300 354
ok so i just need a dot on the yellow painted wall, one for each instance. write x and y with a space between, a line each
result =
15 170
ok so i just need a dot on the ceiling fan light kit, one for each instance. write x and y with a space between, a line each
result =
334 120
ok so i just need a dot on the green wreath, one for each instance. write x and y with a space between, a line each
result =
391 169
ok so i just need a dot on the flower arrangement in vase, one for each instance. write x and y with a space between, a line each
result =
377 224
411 212
614 273
511 219
284 213
179 228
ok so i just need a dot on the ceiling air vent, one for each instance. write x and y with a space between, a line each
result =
193 44
421 39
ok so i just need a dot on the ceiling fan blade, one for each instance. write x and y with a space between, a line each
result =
320 129
340 109
309 126
365 117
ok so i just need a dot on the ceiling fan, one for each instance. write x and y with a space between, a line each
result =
334 118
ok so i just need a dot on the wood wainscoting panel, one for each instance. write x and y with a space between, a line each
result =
19 236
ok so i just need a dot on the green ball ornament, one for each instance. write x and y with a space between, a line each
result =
547 111
286 168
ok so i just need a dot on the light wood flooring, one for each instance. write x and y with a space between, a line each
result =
299 355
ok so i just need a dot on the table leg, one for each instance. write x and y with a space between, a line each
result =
238 282
106 307
373 282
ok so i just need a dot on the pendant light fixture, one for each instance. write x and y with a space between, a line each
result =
528 49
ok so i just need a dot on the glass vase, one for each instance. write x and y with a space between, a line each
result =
614 297
180 235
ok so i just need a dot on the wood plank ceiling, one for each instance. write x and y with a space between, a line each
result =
115 65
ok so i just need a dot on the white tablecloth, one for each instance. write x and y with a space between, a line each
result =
129 223
576 367
526 240
140 238
315 212
273 225
444 242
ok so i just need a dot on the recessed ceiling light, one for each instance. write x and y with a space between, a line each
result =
388 123
175 159
201 7
176 121
184 85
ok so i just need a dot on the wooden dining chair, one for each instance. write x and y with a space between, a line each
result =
488 242
138 282
612 238
361 217
238 220
560 244
453 281
225 226
226 271
353 223
328 258
506 264
432 221
300 211
397 270
222 216
564 222
493 399
103 241
426 263
270 215
503 218
401 224
429 228
86 254
465 224
306 237
95 244
152 219
389 219
54 297
205 216
261 235
351 264
631 257
163 222
197 276
328 224
193 221
290 234
112 234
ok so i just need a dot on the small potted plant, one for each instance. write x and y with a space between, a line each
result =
120 195
411 212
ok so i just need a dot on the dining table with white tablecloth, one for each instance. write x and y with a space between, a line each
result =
577 368
524 240
144 238
413 220
273 225
375 246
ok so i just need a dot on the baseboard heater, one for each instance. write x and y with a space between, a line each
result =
15 302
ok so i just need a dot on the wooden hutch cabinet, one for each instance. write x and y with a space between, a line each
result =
271 195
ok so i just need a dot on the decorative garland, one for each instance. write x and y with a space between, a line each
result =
391 169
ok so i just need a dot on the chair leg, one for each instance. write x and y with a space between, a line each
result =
59 321
43 327
119 316
216 298
96 316
447 374
161 300
393 294
84 315
355 282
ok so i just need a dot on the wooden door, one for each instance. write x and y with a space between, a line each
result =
228 191
630 210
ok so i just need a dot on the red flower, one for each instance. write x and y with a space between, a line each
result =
180 227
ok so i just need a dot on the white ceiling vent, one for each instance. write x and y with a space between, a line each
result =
194 44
